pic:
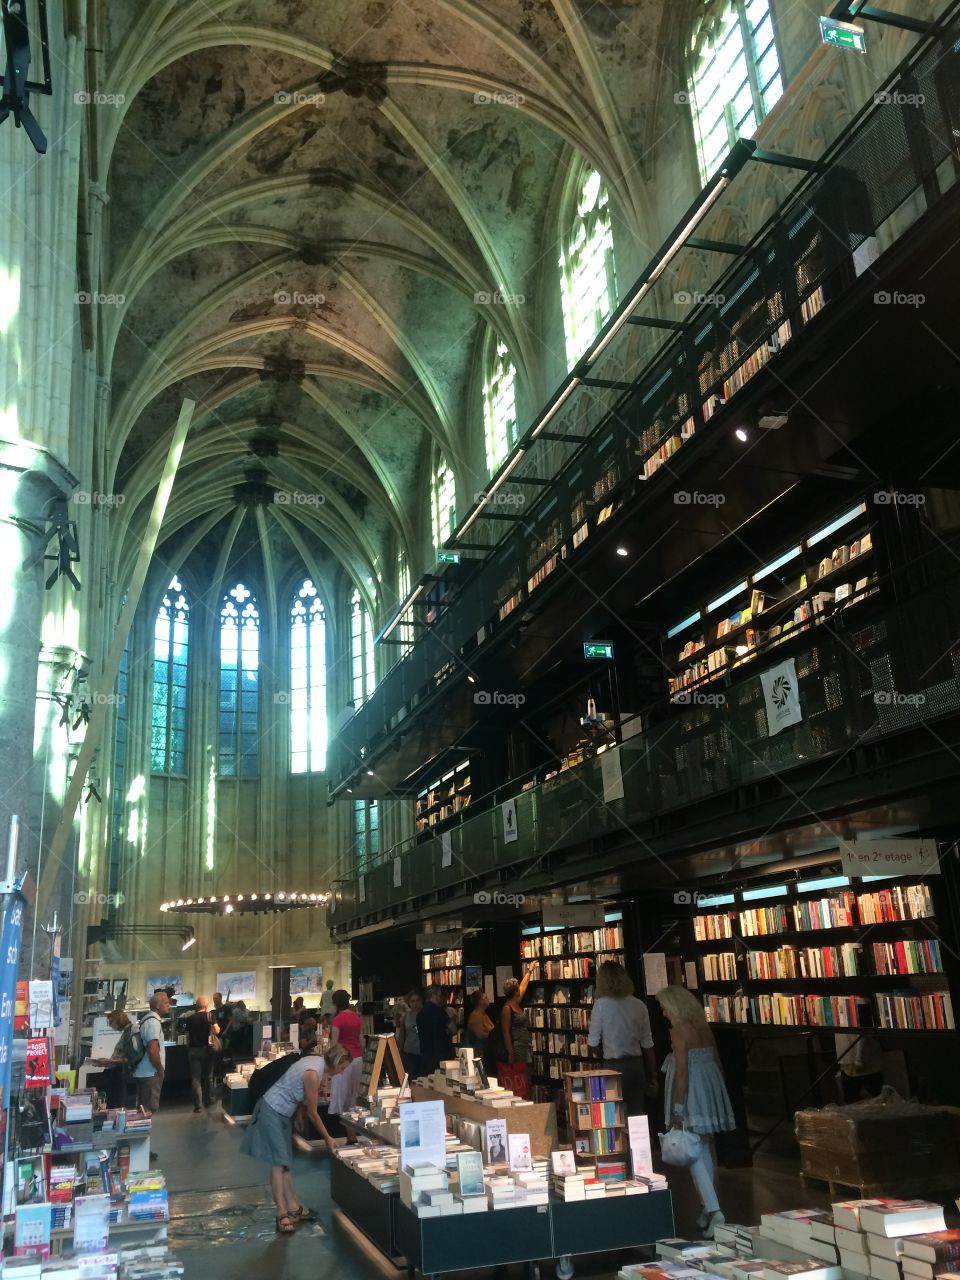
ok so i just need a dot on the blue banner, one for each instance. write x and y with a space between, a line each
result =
9 965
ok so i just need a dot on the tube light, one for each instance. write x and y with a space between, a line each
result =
775 891
727 595
550 413
682 626
410 600
834 525
774 565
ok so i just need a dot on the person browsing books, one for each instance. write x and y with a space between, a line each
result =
479 1024
695 1096
408 1037
436 1046
514 1020
345 1029
117 1065
149 1071
269 1136
620 1034
199 1054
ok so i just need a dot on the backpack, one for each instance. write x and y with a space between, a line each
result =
136 1053
267 1075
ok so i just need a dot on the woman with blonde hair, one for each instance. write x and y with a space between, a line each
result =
695 1096
620 1034
269 1137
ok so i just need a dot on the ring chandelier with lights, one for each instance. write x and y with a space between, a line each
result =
238 903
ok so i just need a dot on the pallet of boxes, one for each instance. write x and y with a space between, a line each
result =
882 1146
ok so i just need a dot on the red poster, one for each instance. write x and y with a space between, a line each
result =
38 1064
20 1008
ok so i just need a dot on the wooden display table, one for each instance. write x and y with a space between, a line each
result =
539 1120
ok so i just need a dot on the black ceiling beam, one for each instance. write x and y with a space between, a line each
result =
649 322
716 246
608 383
846 12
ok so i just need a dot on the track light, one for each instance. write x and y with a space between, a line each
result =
742 434
622 551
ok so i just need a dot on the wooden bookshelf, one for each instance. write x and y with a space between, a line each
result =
828 570
821 956
595 1114
445 969
558 1005
444 798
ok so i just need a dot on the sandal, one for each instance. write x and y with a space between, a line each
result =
289 1228
303 1214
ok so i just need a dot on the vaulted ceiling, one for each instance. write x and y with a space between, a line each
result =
310 202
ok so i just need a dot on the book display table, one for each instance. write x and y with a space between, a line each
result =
498 1237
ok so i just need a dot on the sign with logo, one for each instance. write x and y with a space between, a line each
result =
890 856
843 35
509 811
573 915
598 651
448 557
781 694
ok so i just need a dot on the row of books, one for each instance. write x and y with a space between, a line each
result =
599 1142
909 902
842 555
554 1068
443 959
804 962
570 967
720 966
932 1011
445 977
908 956
842 910
597 1115
559 996
575 942
785 1009
571 1018
559 1042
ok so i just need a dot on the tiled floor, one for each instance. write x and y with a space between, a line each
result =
222 1222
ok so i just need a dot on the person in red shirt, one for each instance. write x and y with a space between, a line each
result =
345 1029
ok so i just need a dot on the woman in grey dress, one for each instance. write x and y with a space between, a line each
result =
269 1136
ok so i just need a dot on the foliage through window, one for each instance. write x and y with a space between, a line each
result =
588 277
168 725
499 405
736 77
239 683
443 504
308 682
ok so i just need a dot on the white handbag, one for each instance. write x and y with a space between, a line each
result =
679 1147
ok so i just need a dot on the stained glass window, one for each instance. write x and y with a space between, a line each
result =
239 683
168 726
588 278
308 682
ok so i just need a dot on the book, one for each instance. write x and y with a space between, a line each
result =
846 1213
805 1269
31 1231
884 1268
520 1151
903 1217
470 1172
937 1246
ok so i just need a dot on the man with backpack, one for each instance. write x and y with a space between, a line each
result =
149 1071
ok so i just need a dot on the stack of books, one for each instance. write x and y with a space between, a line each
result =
872 1235
148 1197
534 1185
806 1230
149 1262
418 1180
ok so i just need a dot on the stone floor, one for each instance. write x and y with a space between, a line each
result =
222 1220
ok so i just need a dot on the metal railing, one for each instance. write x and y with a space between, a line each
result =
608 436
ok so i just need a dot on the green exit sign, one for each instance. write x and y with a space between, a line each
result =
843 34
598 650
448 557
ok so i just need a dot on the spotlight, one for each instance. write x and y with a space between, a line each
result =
622 551
369 773
741 434
472 679
228 909
189 939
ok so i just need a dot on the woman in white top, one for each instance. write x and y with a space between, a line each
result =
269 1136
620 1034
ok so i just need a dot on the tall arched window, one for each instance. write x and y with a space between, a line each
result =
362 670
443 503
308 682
736 77
168 724
405 629
239 683
588 278
499 405
119 768
366 832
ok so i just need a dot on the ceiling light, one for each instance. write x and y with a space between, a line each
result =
369 773
472 679
622 551
741 434
228 909
189 940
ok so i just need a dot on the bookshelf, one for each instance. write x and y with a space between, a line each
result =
445 969
559 1003
830 569
596 1117
829 952
443 798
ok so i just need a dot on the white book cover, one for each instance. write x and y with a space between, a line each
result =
521 1153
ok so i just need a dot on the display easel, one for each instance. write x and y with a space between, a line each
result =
386 1054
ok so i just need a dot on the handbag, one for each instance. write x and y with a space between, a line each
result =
215 1043
679 1147
515 1077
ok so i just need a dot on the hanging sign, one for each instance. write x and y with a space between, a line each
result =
508 811
397 873
9 961
781 693
446 848
612 775
573 915
890 857
843 35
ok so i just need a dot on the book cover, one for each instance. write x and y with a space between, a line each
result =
31 1231
470 1171
520 1151
903 1217
935 1246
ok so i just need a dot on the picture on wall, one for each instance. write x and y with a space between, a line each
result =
155 984
237 986
306 980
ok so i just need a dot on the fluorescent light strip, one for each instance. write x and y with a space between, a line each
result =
411 598
715 900
840 521
551 413
775 891
829 882
682 626
727 595
777 564
611 917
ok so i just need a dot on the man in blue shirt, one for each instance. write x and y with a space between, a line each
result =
149 1071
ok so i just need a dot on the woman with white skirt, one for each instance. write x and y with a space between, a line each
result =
269 1136
695 1096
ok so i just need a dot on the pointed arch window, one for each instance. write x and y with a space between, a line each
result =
362 669
239 683
308 682
366 832
443 503
588 277
736 77
499 405
405 629
168 723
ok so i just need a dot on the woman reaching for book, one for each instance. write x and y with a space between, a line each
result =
695 1096
514 1021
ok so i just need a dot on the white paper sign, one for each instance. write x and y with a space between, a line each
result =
446 849
690 969
397 873
612 775
508 811
104 1038
781 693
639 1132
573 915
362 889
41 1004
890 857
654 971
423 1133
